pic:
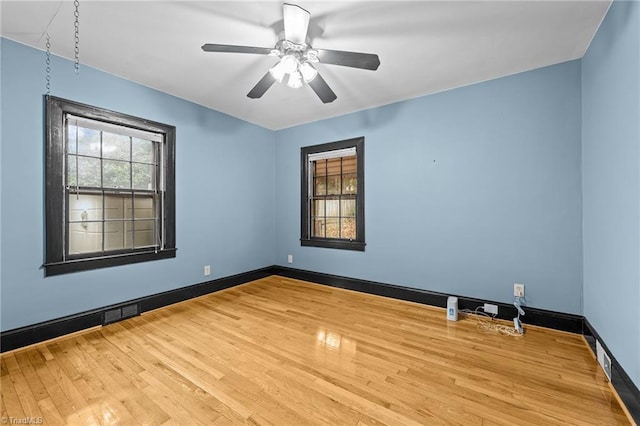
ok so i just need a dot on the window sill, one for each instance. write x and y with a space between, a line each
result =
331 243
76 265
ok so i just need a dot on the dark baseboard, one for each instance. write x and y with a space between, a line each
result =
533 316
35 333
24 336
181 294
28 335
620 380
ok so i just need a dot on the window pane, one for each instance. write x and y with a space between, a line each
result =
71 170
318 207
349 184
143 206
84 207
333 185
320 168
333 208
349 164
128 233
348 208
114 236
114 206
140 233
320 186
333 166
116 174
333 228
348 228
318 227
71 139
116 147
88 142
145 233
143 176
85 237
88 171
142 151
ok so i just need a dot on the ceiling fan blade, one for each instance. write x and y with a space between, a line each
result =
322 89
262 86
367 61
296 22
228 48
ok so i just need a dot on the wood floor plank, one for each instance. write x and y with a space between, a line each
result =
11 405
27 399
50 412
282 351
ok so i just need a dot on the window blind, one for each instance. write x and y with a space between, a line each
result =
113 128
347 152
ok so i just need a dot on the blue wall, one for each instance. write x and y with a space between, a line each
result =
467 191
611 183
225 184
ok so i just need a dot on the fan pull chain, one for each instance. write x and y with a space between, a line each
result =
48 62
76 25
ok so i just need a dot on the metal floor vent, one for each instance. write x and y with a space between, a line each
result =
118 314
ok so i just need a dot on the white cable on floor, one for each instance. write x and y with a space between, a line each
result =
485 322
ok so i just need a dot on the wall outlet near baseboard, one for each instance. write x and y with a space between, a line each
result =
207 270
603 359
290 258
518 290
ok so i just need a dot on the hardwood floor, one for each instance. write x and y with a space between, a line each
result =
282 351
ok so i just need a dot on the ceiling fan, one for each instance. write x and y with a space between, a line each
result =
297 57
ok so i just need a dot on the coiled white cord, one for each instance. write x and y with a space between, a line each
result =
484 321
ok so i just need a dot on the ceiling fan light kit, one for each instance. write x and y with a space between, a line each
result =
295 67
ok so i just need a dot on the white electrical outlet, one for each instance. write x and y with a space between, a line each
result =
518 290
491 309
290 258
207 270
603 360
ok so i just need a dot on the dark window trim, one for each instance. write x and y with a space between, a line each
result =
55 263
358 243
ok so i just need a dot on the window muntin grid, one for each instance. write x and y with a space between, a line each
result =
333 197
113 188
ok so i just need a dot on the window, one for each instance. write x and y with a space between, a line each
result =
333 195
110 191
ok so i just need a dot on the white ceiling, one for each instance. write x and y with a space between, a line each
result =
424 46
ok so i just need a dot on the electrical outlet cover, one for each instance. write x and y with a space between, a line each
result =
518 290
599 352
607 366
603 359
491 309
